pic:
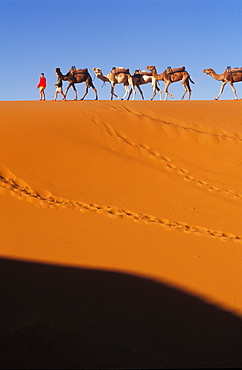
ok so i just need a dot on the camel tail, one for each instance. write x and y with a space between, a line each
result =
89 81
191 80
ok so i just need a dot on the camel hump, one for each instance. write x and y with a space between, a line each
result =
170 70
117 70
81 71
234 70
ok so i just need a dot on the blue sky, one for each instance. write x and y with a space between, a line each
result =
40 35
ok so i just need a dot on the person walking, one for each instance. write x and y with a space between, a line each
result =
59 88
42 86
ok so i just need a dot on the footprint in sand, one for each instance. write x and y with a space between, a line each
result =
166 159
171 166
202 183
189 178
213 189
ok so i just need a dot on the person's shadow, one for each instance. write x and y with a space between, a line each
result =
60 317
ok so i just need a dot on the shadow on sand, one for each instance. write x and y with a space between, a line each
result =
60 317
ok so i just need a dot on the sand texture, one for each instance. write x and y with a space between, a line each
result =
121 237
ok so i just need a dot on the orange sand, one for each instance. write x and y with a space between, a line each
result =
151 190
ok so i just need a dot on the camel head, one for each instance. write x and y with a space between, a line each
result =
97 71
208 71
58 72
150 68
67 77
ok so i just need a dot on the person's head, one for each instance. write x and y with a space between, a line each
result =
42 75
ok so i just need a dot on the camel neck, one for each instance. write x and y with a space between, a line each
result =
216 76
104 78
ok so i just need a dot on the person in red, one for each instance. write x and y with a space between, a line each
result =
41 86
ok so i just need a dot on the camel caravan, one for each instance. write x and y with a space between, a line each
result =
121 75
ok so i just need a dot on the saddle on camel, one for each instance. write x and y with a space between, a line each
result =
139 73
117 70
170 70
234 70
75 71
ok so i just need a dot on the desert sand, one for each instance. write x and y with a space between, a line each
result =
121 238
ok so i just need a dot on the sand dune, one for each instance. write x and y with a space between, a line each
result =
144 189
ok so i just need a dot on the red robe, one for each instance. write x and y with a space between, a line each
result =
42 82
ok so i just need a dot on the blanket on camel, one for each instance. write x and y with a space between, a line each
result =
139 73
170 70
234 70
79 71
117 70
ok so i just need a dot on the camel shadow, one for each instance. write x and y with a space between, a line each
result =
62 317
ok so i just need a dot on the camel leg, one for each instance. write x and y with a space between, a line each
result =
134 92
126 92
86 91
234 91
94 88
71 84
130 83
131 91
112 93
187 88
155 87
166 90
221 90
154 93
160 92
141 92
190 91
190 94
129 94
74 88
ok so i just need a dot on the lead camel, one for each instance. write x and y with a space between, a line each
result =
75 76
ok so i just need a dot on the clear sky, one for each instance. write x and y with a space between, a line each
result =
39 35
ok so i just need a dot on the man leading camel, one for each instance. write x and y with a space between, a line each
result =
58 89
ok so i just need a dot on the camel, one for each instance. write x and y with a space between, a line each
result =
173 75
75 76
116 76
142 78
230 76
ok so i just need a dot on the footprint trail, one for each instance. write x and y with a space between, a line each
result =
155 156
11 185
